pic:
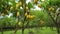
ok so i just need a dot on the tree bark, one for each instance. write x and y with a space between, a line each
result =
24 11
17 27
1 30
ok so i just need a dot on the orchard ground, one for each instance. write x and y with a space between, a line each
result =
35 30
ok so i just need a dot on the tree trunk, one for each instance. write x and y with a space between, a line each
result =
51 27
58 29
17 26
22 30
1 31
15 30
24 9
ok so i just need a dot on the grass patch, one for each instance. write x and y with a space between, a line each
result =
35 30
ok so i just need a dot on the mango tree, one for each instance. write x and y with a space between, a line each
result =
21 9
52 8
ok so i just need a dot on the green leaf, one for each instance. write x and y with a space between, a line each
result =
7 0
13 2
0 1
30 5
